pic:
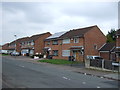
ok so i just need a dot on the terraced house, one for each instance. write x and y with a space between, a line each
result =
14 45
77 42
33 44
117 50
107 51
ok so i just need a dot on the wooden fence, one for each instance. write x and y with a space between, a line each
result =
101 64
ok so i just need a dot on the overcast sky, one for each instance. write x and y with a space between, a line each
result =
29 18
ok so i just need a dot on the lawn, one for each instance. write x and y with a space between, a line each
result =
59 61
4 54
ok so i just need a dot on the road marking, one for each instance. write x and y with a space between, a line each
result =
83 82
21 66
98 86
66 78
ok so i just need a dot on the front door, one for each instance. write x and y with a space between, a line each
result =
78 56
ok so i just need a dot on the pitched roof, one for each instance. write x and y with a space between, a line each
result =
118 32
34 37
19 40
22 39
56 35
108 47
77 32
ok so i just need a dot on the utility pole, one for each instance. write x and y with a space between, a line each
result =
15 42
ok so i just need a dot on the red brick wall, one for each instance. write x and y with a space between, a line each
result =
94 37
105 55
18 47
63 47
117 45
5 47
118 41
39 43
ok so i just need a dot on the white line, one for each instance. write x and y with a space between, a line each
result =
21 66
64 77
83 82
98 86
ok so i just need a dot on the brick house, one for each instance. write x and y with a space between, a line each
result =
15 45
0 48
107 51
5 47
117 50
33 44
77 42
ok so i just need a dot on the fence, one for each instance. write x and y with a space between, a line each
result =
101 64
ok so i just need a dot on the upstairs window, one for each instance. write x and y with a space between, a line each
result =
55 42
32 43
76 40
95 46
48 43
66 41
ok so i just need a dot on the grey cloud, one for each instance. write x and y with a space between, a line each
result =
29 18
33 11
97 11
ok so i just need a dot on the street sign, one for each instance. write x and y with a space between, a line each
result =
116 64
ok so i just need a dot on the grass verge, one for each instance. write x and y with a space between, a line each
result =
4 54
58 61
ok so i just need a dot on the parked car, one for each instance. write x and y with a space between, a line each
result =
15 54
94 57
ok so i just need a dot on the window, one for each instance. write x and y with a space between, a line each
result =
95 46
55 42
76 40
48 43
55 52
32 43
65 52
65 41
28 43
22 43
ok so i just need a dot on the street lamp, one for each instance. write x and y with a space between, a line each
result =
15 41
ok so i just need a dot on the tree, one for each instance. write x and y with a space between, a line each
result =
111 36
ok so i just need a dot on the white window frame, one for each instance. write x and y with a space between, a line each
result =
55 42
66 41
32 43
65 53
76 40
54 53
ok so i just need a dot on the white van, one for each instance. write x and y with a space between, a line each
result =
94 57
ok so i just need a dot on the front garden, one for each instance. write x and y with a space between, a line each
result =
59 61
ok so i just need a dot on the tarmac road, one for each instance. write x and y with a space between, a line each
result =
22 74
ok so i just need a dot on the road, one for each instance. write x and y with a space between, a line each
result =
22 74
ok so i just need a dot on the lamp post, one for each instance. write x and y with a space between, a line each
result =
15 41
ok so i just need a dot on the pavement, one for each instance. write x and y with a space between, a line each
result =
78 68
